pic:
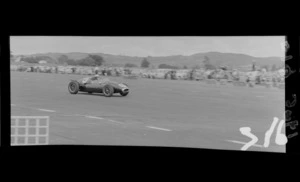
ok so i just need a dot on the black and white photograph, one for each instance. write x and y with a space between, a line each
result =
204 92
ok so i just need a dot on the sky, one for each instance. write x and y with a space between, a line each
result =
257 46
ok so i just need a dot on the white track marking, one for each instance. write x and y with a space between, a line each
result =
93 117
114 121
46 110
153 127
70 115
234 141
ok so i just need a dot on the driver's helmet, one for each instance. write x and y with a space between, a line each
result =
95 77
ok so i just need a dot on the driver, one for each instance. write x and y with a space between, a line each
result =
96 77
93 78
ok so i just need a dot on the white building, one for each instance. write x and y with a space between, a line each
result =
42 62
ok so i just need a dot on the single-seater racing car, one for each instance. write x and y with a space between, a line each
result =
98 84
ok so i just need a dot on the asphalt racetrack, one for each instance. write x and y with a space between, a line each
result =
167 113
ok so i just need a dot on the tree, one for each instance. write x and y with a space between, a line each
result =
145 63
98 59
210 66
44 58
206 59
63 59
274 68
207 64
88 61
196 67
130 65
162 66
266 67
30 59
166 66
71 62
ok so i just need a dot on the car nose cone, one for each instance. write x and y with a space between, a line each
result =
125 89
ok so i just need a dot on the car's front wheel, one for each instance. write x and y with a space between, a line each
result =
124 93
73 87
108 90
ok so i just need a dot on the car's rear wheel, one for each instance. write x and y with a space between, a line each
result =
108 90
73 87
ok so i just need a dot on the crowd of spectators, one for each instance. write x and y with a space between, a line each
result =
251 77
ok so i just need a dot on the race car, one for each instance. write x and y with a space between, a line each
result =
98 84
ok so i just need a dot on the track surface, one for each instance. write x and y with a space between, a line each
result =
155 113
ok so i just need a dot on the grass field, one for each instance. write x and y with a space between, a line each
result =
173 113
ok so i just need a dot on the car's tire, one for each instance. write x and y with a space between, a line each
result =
90 92
108 90
73 87
124 93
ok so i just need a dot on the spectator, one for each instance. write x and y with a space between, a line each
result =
248 79
173 74
103 72
117 72
96 70
73 70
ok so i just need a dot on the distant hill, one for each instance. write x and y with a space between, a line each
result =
231 59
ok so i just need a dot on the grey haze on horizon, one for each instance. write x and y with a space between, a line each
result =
256 46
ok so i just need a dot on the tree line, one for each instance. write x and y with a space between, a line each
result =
90 60
96 60
35 59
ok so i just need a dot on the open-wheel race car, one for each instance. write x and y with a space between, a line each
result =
98 84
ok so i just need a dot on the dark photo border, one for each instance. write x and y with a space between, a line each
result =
99 153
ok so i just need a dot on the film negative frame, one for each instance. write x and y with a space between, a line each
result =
291 90
291 97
